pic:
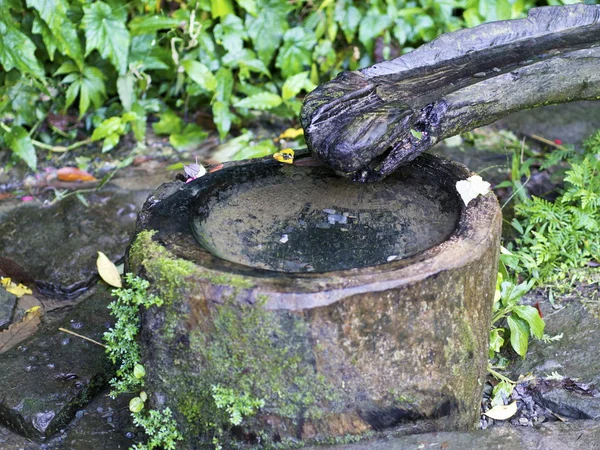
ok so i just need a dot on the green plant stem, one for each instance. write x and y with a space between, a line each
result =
52 148
498 375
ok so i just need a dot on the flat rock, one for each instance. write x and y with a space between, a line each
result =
572 123
48 377
7 307
584 435
56 246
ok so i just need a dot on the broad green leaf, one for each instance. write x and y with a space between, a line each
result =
169 123
253 65
502 391
151 24
371 27
511 294
190 138
54 15
262 101
401 30
146 55
496 339
222 117
267 29
136 404
110 142
531 315
296 53
248 5
138 126
519 335
90 87
200 74
19 142
105 31
108 127
220 8
230 33
17 51
224 87
294 84
40 27
348 20
125 85
139 371
258 150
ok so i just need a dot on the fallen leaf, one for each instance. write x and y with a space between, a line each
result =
28 302
74 174
5 195
21 330
19 290
215 168
471 188
502 412
292 133
108 271
285 156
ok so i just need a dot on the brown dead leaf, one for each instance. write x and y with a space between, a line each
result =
28 302
74 174
21 330
63 123
5 195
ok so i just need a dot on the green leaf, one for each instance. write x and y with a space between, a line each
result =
151 24
531 315
200 74
19 142
112 125
139 371
125 89
222 118
191 137
40 27
224 87
105 31
258 150
110 142
17 51
220 8
348 20
248 5
267 29
496 339
502 391
90 87
230 33
293 85
138 125
372 26
519 335
136 404
262 101
54 15
296 53
146 55
169 123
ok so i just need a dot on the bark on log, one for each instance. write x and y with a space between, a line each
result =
366 123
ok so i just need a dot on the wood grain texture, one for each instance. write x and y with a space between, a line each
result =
366 123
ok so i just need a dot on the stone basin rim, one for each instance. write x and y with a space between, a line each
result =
312 289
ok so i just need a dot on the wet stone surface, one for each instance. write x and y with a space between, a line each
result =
7 307
56 246
48 377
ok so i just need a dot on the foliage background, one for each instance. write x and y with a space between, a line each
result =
77 71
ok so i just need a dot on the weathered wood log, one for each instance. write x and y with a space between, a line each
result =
366 123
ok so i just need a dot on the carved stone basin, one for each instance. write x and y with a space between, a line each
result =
334 308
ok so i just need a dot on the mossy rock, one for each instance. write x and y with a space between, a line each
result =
250 352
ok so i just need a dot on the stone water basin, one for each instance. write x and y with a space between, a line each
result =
342 308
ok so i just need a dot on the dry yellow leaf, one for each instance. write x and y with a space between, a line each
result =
19 331
291 133
285 156
502 412
108 271
19 290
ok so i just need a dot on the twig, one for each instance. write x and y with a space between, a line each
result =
52 148
82 337
546 141
499 376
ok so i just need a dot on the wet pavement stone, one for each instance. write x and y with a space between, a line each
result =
56 246
7 308
46 379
